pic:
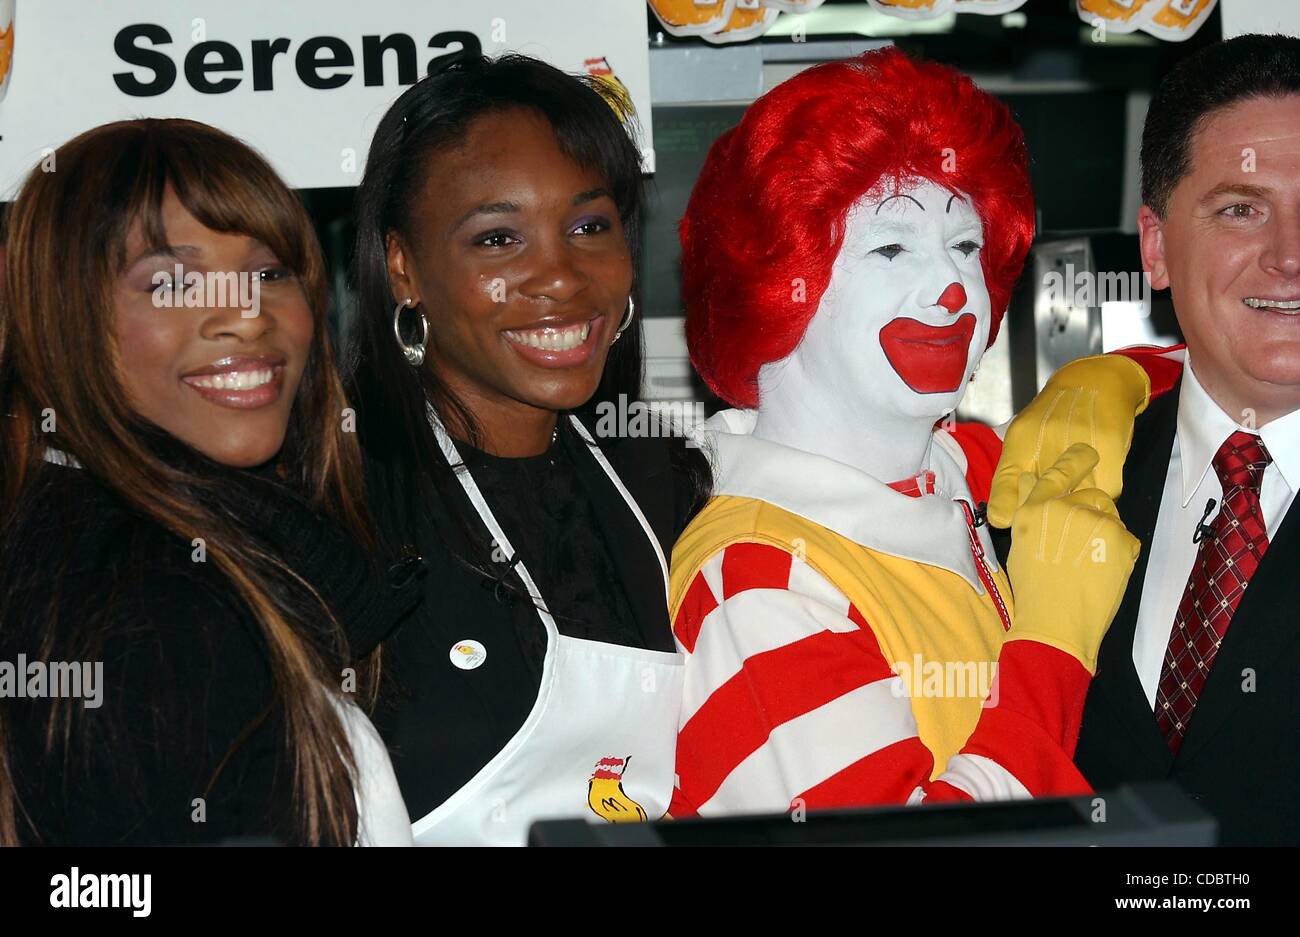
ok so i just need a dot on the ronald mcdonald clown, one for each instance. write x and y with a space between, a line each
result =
848 253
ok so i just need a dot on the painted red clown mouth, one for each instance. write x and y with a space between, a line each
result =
930 359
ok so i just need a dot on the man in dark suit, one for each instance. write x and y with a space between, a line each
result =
1198 678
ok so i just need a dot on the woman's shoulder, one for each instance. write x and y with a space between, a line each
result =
170 669
74 537
83 572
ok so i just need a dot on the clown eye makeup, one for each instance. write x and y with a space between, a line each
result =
889 251
967 247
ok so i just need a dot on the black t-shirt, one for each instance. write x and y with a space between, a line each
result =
551 525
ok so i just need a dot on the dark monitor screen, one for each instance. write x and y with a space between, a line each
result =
683 135
1076 143
1149 813
882 826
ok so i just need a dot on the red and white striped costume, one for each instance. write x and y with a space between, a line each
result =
789 696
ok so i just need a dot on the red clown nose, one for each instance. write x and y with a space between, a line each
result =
953 297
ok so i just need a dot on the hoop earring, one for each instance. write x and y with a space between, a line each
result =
414 353
627 320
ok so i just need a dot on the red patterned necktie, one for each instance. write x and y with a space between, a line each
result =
1224 564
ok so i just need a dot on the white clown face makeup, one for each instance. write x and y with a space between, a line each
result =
905 318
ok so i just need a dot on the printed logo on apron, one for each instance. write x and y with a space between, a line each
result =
605 794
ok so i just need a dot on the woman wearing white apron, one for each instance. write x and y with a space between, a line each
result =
496 343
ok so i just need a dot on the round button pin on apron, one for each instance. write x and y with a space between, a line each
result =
468 654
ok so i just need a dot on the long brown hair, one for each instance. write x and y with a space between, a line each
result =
65 245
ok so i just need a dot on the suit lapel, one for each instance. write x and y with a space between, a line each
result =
1117 685
1258 637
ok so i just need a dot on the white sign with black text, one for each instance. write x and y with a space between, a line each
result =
304 81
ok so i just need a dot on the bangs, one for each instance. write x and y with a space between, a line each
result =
597 131
219 180
593 120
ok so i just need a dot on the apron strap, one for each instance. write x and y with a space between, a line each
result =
454 459
627 496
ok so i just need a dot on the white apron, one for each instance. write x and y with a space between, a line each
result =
601 738
382 819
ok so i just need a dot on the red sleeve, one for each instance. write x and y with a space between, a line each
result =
1030 723
1164 372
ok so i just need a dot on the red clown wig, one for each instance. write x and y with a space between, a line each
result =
765 221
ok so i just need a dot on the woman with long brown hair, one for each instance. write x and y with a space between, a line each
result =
182 522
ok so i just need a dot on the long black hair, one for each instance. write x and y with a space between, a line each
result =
593 126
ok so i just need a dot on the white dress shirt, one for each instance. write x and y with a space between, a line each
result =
1190 482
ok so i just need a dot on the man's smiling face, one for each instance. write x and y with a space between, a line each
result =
1229 252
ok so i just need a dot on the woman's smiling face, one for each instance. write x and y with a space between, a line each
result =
516 255
213 371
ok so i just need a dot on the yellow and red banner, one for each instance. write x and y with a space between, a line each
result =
722 21
1172 20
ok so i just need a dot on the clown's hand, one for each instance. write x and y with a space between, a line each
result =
1070 559
1092 401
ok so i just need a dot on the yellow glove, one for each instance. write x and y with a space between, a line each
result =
1091 400
1070 559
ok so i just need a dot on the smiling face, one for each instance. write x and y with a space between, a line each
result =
517 258
214 378
1229 252
905 318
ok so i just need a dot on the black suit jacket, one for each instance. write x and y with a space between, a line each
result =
1241 755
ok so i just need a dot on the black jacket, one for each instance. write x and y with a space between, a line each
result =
1241 753
185 669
